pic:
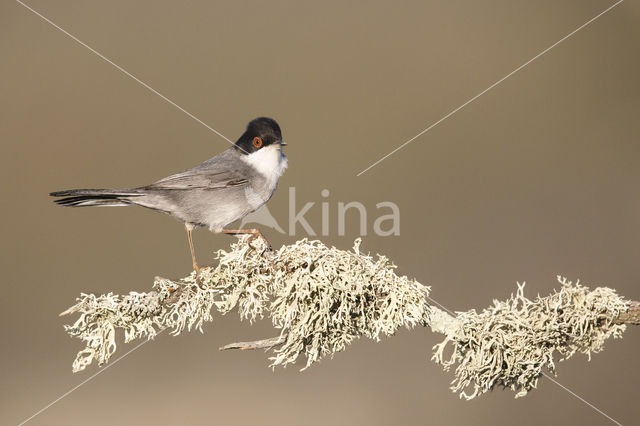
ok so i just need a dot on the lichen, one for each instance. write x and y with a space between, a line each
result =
511 342
321 298
324 298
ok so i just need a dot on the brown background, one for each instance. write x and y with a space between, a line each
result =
536 178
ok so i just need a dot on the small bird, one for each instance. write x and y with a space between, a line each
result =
213 194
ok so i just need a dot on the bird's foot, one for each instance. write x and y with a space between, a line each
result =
197 269
252 232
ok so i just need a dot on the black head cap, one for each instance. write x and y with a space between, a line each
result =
260 132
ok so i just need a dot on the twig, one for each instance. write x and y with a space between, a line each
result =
632 316
258 344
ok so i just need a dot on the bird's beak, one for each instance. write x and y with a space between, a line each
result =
283 143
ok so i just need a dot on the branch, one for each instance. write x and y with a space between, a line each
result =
258 344
174 295
320 299
631 316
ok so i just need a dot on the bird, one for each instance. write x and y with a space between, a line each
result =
212 194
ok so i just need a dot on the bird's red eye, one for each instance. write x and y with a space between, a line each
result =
257 142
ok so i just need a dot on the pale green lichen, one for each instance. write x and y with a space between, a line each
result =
324 298
511 342
321 299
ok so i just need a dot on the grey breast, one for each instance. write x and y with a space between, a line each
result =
212 194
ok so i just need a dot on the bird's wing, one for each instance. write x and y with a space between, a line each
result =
222 171
192 179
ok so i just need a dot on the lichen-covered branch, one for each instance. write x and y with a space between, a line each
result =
510 343
321 298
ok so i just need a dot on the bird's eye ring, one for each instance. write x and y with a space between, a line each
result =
257 142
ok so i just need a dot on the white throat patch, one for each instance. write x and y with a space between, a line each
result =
268 161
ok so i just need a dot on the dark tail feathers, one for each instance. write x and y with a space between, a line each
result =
94 197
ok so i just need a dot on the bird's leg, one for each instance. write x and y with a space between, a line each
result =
251 231
189 227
